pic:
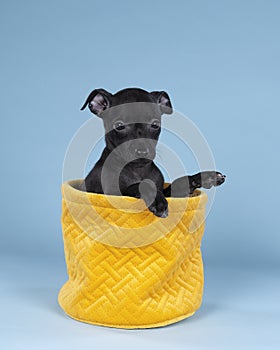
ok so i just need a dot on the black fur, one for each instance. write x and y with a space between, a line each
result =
126 165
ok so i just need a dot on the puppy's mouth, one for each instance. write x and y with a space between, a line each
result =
136 156
143 155
140 161
135 159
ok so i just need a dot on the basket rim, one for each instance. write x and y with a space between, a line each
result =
71 193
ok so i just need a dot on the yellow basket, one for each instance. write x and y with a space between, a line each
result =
128 268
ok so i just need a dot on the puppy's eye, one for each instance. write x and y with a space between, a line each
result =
155 124
119 125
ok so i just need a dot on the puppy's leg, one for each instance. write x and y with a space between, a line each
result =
184 186
154 199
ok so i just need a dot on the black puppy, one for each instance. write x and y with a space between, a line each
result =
132 122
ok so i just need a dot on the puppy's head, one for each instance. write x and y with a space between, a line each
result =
132 120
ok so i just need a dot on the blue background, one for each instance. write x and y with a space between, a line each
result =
219 62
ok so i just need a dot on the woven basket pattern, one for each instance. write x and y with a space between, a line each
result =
126 267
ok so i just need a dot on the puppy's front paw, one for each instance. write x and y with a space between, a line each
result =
159 207
212 178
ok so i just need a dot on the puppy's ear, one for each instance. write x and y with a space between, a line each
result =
97 101
163 101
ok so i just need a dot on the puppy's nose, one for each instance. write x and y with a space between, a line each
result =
141 152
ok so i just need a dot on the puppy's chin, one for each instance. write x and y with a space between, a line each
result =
141 161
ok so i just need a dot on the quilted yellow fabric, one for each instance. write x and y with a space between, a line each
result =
128 268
